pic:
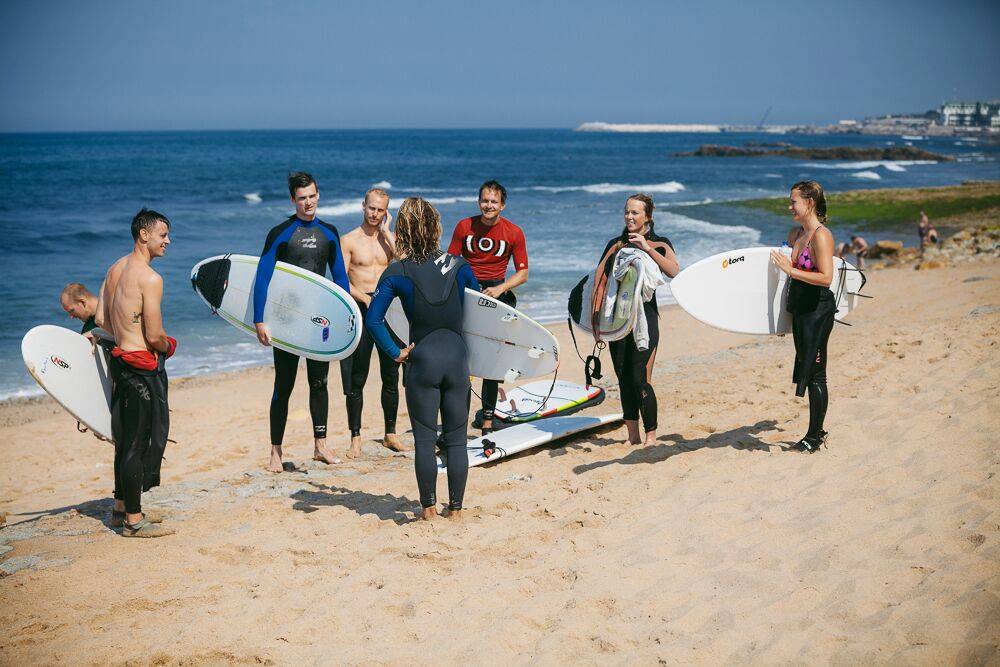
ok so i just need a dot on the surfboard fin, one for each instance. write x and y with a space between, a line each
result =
536 352
509 317
511 375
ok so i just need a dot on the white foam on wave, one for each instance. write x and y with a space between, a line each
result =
669 187
253 198
354 206
445 201
24 392
870 175
668 222
868 164
675 204
350 207
892 166
773 176
385 185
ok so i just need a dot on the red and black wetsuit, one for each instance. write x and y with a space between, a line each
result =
488 249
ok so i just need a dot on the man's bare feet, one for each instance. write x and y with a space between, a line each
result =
650 438
322 454
355 449
427 514
633 431
454 515
275 464
392 441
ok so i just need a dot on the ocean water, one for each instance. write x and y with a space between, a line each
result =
66 202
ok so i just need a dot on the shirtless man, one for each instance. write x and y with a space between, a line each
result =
129 309
368 249
860 248
79 304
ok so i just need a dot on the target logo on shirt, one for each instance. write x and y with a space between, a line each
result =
489 248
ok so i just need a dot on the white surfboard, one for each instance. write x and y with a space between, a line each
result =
504 343
306 313
541 399
618 308
744 292
65 365
526 436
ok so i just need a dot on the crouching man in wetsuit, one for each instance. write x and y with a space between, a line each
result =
129 309
309 243
431 286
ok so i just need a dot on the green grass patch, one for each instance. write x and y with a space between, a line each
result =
894 207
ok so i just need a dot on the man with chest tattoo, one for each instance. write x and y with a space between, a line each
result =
368 249
309 243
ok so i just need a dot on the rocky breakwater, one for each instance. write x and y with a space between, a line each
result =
969 244
893 153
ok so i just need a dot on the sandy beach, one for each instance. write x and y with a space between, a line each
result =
718 545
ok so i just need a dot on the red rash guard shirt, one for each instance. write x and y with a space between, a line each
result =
488 249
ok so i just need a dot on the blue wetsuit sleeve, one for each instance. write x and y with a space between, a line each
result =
336 259
265 267
467 279
388 289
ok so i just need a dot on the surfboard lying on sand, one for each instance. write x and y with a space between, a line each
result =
534 400
744 292
525 436
306 313
65 365
616 306
504 343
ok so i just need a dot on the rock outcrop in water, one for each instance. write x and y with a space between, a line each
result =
832 153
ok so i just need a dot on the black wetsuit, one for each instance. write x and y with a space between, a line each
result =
314 246
436 378
354 374
491 388
140 424
634 367
813 309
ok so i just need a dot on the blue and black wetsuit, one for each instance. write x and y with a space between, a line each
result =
314 246
436 378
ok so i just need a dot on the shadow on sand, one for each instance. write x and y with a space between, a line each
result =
386 507
99 509
742 438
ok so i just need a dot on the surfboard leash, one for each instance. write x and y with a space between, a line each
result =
592 364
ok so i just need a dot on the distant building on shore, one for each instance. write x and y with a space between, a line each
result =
971 114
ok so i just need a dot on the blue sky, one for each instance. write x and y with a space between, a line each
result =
110 65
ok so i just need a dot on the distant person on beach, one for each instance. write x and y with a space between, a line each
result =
922 228
860 249
430 285
810 302
927 232
368 249
129 309
307 242
634 366
79 304
489 241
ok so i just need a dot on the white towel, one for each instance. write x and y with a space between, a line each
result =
650 276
